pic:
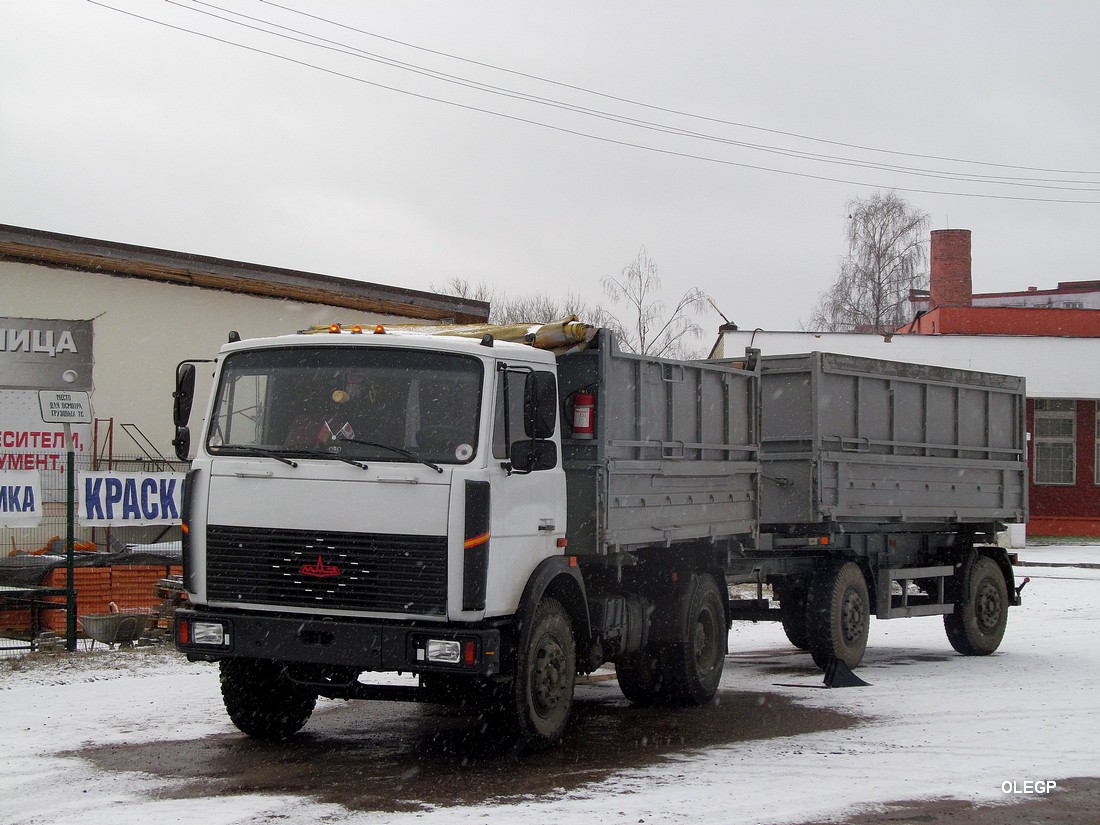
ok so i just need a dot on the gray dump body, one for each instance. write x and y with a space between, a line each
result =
675 453
856 440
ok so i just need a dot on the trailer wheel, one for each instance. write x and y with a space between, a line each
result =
640 676
978 623
542 692
792 611
838 615
262 701
693 667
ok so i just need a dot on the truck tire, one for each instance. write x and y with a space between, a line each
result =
641 676
541 697
692 668
262 701
838 615
792 612
977 625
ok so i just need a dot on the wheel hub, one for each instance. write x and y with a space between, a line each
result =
548 676
987 606
703 642
852 616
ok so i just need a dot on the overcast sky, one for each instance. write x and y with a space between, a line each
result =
354 156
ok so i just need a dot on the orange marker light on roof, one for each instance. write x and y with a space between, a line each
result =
334 328
356 330
379 330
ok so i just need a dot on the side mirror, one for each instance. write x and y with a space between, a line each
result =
182 443
184 396
536 454
540 404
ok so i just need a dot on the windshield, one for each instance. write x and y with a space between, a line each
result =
349 403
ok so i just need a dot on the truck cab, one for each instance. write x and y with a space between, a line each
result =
369 502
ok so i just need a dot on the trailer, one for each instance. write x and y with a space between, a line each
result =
498 518
884 486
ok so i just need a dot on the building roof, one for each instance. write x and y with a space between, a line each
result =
125 260
1063 288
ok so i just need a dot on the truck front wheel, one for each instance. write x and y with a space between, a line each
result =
546 670
839 615
262 701
978 623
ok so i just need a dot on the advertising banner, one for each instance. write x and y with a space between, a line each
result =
20 498
129 499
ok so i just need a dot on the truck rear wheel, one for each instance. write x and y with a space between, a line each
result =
262 701
838 615
546 669
640 676
693 667
978 623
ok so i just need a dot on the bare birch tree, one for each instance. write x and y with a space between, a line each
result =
887 251
649 329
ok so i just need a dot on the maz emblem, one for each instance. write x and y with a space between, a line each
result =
320 570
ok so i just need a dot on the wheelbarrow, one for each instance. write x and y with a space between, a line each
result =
114 628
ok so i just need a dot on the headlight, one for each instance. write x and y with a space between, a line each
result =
440 650
209 633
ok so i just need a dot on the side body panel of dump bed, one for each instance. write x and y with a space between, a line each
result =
674 457
856 440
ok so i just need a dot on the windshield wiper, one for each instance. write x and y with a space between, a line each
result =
240 449
362 465
399 450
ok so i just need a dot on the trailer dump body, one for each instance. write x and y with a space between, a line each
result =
864 441
674 455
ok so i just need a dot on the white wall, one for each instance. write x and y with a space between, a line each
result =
142 329
1052 367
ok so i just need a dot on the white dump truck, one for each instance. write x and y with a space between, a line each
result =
497 518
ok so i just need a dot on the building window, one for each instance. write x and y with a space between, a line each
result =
1055 441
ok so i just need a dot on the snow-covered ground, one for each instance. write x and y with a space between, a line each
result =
934 724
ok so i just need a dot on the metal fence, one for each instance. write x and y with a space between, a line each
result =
24 615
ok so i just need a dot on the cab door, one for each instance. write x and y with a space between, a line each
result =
527 503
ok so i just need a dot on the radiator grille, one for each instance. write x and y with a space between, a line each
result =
308 568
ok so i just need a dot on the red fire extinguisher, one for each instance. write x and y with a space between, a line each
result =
584 403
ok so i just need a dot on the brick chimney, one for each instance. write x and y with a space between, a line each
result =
949 278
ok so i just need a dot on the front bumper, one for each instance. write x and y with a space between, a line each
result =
358 644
